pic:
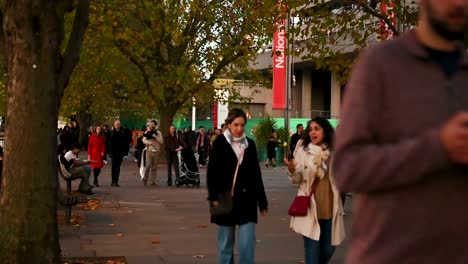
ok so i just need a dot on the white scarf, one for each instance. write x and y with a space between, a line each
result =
238 144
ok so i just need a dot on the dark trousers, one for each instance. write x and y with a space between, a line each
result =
116 162
320 252
96 172
139 153
201 156
172 161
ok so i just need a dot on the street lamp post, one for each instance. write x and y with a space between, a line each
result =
287 113
194 109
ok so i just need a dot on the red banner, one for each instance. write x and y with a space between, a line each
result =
279 66
215 114
385 31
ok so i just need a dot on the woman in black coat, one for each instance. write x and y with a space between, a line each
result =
249 193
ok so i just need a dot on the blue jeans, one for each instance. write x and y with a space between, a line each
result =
246 244
320 252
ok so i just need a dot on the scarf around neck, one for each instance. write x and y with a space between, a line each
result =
238 144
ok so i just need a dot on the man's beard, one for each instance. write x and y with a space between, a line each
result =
442 28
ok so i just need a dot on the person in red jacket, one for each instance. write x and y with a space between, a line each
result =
96 152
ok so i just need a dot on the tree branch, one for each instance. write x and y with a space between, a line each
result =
367 9
137 63
72 53
223 63
365 5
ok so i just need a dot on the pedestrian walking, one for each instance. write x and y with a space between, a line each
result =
295 138
107 138
96 151
173 144
128 140
202 147
234 168
322 227
140 146
153 140
75 132
217 132
66 138
118 149
135 135
271 150
401 146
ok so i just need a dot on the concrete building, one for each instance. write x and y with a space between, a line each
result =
315 92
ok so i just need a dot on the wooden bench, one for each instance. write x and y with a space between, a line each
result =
67 200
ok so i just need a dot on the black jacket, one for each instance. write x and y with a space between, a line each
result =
118 143
249 192
294 139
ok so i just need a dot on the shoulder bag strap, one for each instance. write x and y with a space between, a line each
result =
314 187
235 173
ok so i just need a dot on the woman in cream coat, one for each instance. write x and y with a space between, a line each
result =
323 227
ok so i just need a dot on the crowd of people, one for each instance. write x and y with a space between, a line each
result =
143 145
401 148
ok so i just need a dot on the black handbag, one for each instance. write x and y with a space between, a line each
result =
224 206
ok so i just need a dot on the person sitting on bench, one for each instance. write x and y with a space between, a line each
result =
76 167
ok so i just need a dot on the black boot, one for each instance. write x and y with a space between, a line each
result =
96 176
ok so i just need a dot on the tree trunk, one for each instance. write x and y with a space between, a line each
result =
166 119
37 74
85 120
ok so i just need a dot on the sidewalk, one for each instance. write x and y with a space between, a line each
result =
171 225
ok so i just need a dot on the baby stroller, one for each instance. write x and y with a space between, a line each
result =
189 175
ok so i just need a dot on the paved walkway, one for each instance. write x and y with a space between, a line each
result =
171 225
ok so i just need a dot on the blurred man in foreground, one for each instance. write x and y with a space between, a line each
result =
402 145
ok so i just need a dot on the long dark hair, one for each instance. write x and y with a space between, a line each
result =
328 132
235 113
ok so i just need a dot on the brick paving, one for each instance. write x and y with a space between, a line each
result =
171 225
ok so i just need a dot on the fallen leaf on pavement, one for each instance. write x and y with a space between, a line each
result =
120 235
91 204
198 256
111 225
156 242
77 225
202 226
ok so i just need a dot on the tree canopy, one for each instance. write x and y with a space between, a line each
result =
180 47
331 32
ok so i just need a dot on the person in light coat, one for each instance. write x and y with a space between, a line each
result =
323 227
